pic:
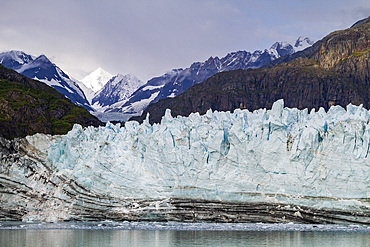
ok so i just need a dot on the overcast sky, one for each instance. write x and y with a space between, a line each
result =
148 38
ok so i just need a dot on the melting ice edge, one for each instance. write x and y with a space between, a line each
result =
277 166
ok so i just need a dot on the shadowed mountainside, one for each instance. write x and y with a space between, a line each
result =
28 107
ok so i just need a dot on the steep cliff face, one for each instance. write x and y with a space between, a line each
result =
335 70
28 107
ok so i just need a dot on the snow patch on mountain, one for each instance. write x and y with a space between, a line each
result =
151 87
302 43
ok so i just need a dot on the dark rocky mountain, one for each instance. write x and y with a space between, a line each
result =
42 69
29 106
178 81
334 71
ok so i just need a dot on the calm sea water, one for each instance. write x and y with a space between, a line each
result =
179 234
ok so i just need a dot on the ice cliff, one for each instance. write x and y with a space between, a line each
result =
278 165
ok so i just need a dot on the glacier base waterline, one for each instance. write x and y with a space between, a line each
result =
181 226
280 165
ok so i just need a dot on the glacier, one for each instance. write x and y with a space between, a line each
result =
278 165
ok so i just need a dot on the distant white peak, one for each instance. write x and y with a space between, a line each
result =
280 45
302 43
96 79
302 39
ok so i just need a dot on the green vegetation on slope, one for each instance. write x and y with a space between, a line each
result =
28 107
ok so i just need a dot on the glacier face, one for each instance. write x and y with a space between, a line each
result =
277 157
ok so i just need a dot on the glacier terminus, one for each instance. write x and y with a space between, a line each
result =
274 166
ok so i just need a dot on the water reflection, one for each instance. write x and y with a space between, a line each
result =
64 237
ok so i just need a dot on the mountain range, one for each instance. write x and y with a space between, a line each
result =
93 92
93 82
178 81
333 71
121 96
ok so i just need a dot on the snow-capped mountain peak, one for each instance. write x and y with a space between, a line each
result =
15 59
39 62
302 43
96 79
118 89
280 45
279 49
